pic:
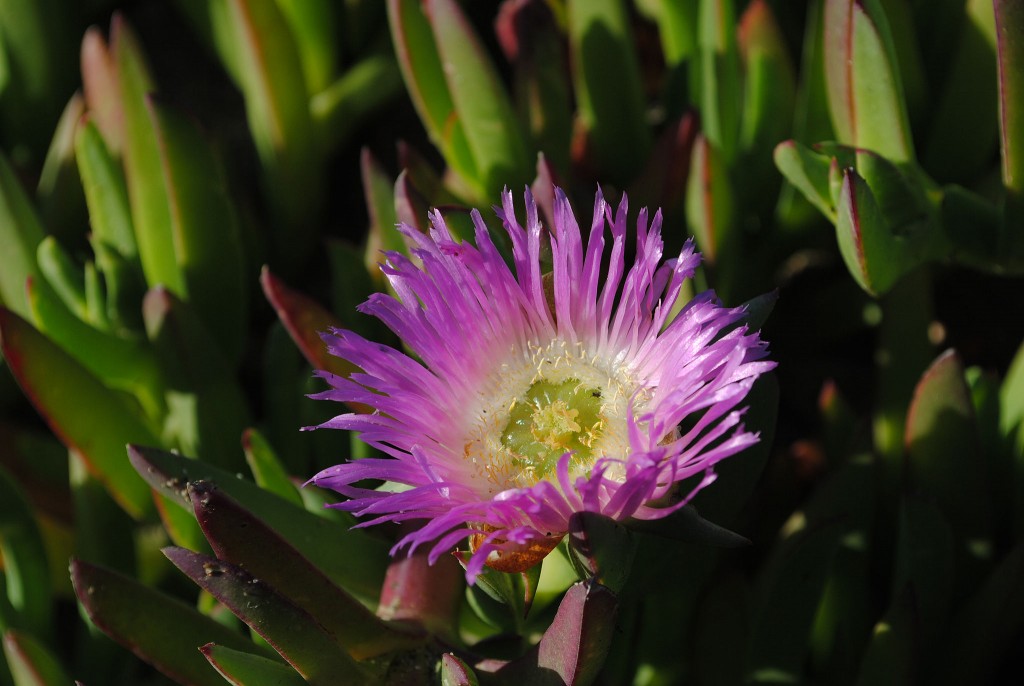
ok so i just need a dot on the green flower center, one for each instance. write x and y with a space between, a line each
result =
550 420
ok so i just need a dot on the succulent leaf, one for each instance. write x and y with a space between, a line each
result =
242 538
248 669
25 563
292 632
31 662
355 560
865 93
124 609
607 82
87 416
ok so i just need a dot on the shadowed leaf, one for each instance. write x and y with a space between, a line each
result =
125 610
86 415
240 537
289 630
246 669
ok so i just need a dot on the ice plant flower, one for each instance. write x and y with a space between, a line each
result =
534 395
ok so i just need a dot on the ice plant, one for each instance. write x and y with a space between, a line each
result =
539 394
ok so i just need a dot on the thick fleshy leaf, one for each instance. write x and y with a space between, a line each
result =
105 192
423 594
481 103
716 75
25 567
925 562
573 648
247 669
147 194
86 415
351 557
987 628
1011 423
965 125
807 170
455 672
202 228
1009 15
379 193
532 42
314 24
891 658
20 235
123 363
31 662
769 89
292 632
305 320
271 77
125 609
872 254
944 457
789 591
688 526
242 538
266 468
364 88
207 410
59 192
710 202
610 102
864 90
425 80
101 90
601 548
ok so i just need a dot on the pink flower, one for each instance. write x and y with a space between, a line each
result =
537 395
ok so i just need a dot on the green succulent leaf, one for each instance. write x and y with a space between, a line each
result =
125 610
710 201
865 93
59 192
354 559
420 60
84 413
31 661
870 251
716 76
367 86
789 592
147 192
944 457
102 92
601 548
305 320
266 468
986 627
247 669
891 656
123 363
965 128
925 555
292 632
20 235
314 24
25 567
242 538
379 193
1009 17
202 228
105 192
455 672
769 86
207 410
610 102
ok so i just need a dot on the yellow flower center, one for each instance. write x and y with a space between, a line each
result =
552 419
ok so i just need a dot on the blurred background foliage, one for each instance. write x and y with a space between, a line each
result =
190 190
